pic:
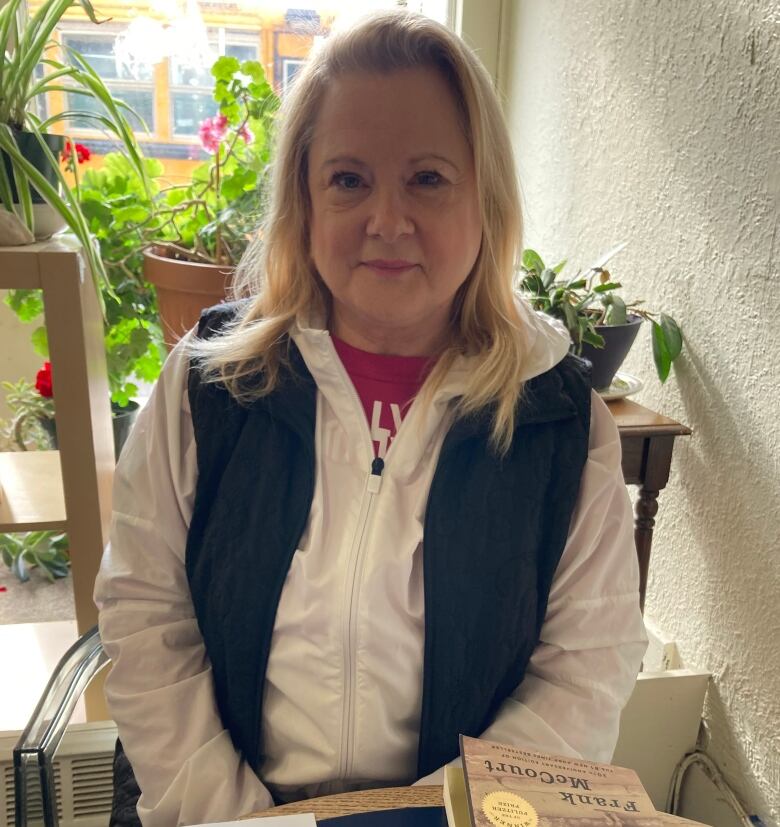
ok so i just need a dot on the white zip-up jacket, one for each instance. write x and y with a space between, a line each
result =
343 693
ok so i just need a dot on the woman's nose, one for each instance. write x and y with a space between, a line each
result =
389 216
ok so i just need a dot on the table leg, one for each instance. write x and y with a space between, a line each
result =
645 510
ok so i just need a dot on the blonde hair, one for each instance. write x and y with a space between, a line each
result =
277 274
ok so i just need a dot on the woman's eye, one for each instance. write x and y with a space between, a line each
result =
428 179
346 180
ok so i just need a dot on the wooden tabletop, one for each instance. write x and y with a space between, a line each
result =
633 419
362 801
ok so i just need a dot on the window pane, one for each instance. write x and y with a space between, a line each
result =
290 68
241 51
99 52
189 109
183 74
142 100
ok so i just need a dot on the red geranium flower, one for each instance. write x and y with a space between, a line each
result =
82 152
43 383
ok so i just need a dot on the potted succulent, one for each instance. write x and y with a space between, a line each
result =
602 325
31 178
200 230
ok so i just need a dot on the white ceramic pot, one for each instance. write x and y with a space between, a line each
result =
47 221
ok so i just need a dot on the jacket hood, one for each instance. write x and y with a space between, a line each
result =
548 340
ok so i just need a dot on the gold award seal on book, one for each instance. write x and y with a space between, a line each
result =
505 809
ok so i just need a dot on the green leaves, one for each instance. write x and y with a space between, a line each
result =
225 68
667 345
27 304
40 341
533 261
589 300
616 311
45 550
242 180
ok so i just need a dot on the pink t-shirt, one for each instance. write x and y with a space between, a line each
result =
386 386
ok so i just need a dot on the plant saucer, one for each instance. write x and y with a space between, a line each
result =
623 385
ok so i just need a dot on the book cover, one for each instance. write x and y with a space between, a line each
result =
507 786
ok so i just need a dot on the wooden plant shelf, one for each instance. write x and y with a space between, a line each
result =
67 490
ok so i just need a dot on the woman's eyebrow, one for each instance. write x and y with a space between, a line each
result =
433 156
343 159
352 160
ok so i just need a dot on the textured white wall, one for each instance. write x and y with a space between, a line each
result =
658 122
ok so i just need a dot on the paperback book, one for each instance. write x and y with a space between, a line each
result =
506 786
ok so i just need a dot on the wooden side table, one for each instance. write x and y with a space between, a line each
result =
648 441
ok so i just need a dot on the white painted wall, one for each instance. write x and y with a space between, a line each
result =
658 121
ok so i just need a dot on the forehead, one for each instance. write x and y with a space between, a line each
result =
407 110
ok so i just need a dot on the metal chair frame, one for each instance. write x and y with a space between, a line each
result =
35 749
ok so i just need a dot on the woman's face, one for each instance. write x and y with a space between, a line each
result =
395 216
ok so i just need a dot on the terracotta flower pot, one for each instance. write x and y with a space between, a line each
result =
606 361
184 289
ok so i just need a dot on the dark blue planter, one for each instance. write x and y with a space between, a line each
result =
122 420
606 361
31 149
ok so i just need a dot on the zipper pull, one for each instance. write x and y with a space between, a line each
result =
375 477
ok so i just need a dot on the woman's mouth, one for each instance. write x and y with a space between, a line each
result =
389 267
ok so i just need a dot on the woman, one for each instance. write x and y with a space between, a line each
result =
374 505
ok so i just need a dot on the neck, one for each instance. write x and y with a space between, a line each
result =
389 342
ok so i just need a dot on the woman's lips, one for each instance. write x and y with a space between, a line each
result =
389 267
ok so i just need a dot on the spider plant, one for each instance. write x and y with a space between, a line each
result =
25 42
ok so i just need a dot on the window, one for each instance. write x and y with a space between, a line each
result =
135 89
159 64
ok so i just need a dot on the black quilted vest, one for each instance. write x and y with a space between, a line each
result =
493 535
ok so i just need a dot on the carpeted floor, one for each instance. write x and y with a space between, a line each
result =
35 601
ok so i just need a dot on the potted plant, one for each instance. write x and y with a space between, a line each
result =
30 172
34 414
199 230
602 325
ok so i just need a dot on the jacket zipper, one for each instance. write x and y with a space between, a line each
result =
356 559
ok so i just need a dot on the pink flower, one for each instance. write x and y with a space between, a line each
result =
212 132
246 133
